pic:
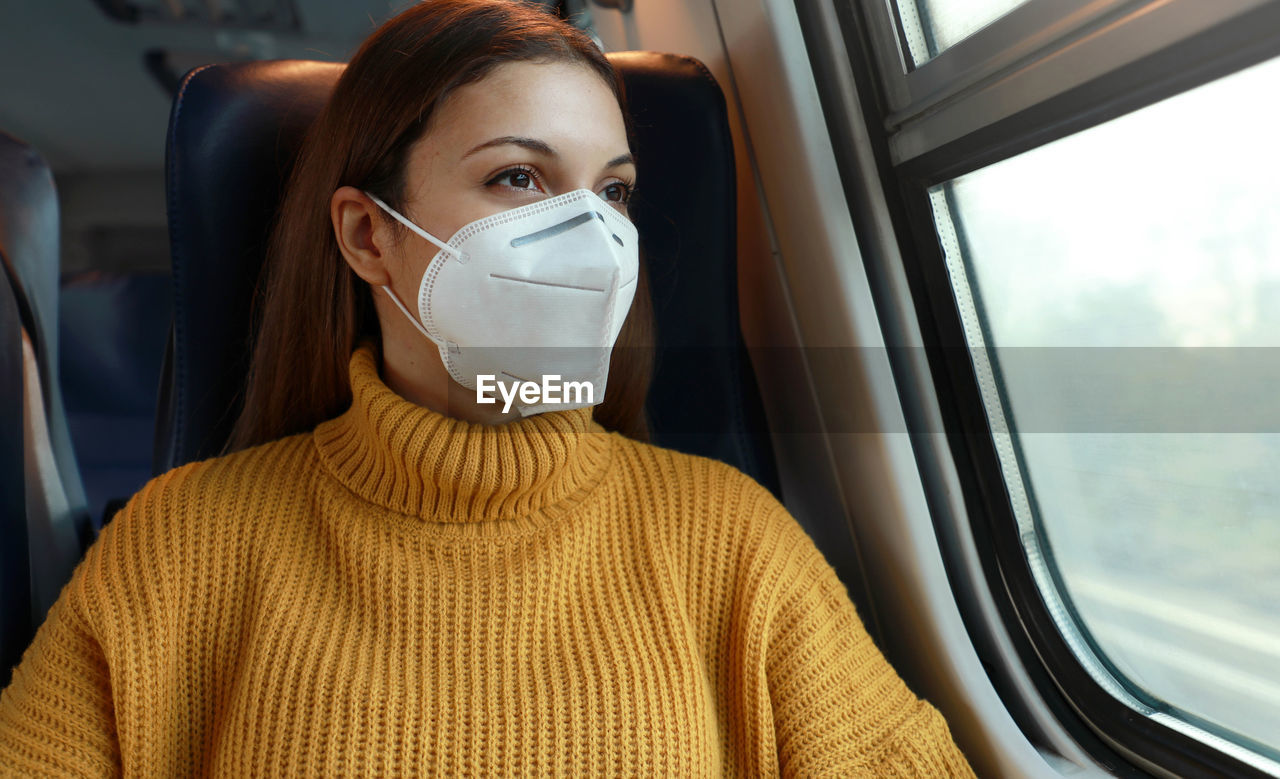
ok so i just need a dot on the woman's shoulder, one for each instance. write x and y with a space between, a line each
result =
198 517
208 493
244 469
707 498
693 476
732 542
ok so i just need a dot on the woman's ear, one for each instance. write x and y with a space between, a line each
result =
363 237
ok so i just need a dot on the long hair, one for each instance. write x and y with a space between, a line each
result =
312 309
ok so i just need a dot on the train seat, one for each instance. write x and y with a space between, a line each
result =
113 325
233 131
43 516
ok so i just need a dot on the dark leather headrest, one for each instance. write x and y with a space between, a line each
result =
233 134
704 398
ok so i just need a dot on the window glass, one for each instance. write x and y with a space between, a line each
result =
1121 296
932 26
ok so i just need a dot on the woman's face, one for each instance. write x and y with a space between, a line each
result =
525 132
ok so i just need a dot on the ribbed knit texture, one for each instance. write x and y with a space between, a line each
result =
400 594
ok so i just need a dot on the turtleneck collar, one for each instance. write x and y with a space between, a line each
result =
415 461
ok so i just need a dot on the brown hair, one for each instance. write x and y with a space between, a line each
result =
313 309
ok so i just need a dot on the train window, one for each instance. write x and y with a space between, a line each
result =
1120 292
932 26
1085 238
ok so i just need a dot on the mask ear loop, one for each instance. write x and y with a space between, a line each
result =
404 310
444 247
461 257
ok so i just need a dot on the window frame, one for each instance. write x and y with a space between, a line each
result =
1240 33
1037 52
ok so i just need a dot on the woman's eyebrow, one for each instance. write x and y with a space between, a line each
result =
542 147
532 144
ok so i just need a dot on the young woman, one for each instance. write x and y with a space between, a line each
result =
393 578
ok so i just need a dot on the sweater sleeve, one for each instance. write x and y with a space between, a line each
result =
56 715
839 708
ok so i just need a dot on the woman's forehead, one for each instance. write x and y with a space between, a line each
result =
567 106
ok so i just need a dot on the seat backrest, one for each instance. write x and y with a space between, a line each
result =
15 574
112 326
29 237
45 523
233 133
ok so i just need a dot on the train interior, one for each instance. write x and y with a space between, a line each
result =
1007 276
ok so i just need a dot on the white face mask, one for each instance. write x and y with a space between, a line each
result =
531 296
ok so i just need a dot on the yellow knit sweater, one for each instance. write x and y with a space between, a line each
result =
403 594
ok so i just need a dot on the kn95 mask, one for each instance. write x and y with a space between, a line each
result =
525 305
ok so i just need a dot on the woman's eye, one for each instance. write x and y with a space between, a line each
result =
517 178
617 192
